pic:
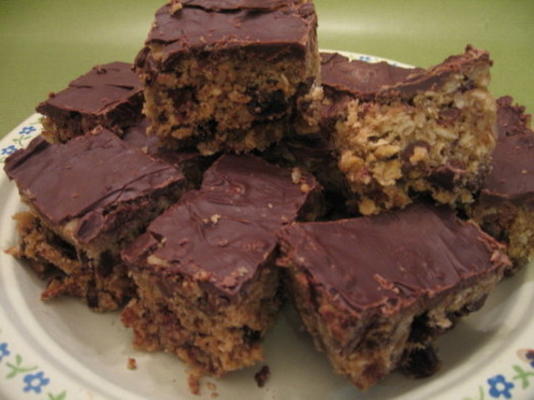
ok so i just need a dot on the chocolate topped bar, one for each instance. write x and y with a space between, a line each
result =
505 207
211 26
228 229
359 77
400 133
228 5
512 173
109 95
391 261
511 119
208 289
382 80
85 178
374 292
88 198
227 75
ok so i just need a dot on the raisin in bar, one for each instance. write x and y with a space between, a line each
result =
505 207
375 291
226 75
399 132
208 289
88 198
110 95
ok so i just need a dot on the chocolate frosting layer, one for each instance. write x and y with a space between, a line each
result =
202 26
374 80
137 136
360 77
512 173
391 261
224 232
97 92
86 177
511 119
230 5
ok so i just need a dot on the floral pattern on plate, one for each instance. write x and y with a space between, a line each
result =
26 375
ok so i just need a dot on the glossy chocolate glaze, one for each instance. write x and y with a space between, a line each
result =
359 77
86 177
369 81
102 90
231 5
512 173
223 233
137 136
385 263
511 119
200 26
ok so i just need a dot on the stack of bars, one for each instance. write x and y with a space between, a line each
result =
232 167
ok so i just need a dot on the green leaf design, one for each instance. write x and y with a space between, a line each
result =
61 396
18 368
522 376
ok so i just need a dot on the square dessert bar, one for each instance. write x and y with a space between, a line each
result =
207 286
110 95
88 198
375 291
505 207
399 132
226 75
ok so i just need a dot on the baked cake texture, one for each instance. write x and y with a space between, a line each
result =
375 291
207 286
505 207
88 198
227 75
110 95
399 132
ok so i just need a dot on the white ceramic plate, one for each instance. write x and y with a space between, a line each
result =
62 351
